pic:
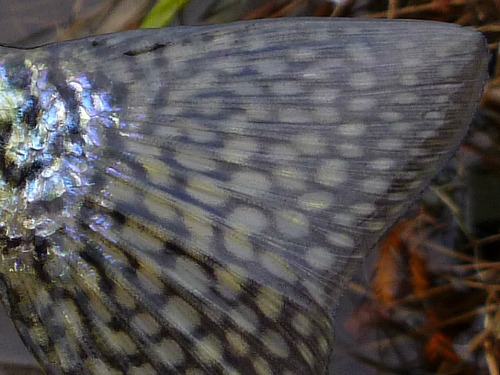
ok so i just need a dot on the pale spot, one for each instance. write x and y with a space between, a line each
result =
256 112
290 178
286 88
396 209
97 366
209 107
441 99
390 116
344 219
250 182
418 152
247 89
426 134
228 284
319 258
238 150
327 115
446 71
375 225
414 185
205 191
390 144
100 310
402 126
283 151
350 150
270 302
398 196
309 144
318 200
363 209
191 275
209 349
124 298
406 98
382 164
159 173
277 266
434 116
361 104
341 239
294 115
292 224
39 335
315 74
140 148
323 344
68 312
412 61
201 231
230 370
169 352
149 282
237 343
325 321
146 369
261 366
247 220
122 341
168 132
413 175
121 192
316 292
302 324
239 246
130 234
375 185
306 353
194 371
276 344
450 48
197 163
244 317
351 129
181 314
303 54
229 63
361 53
202 136
332 172
362 80
409 79
324 94
145 323
163 210
267 68
351 30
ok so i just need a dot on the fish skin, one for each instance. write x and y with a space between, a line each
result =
193 200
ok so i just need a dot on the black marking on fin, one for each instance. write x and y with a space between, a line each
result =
147 49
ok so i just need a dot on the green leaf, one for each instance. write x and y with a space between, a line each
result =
162 13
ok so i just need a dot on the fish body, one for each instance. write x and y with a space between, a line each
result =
193 200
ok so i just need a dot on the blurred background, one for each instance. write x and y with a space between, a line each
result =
428 301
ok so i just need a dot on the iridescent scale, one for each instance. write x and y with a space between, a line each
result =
192 201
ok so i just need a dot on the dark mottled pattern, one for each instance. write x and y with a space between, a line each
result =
194 200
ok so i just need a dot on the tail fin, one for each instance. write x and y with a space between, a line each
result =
197 198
